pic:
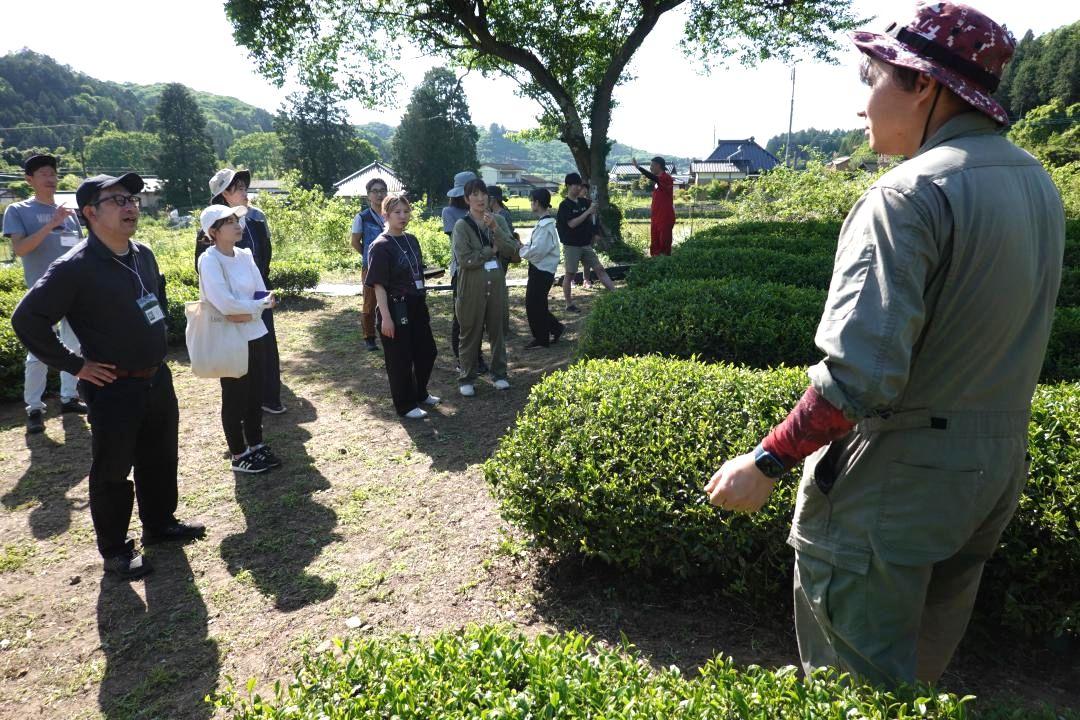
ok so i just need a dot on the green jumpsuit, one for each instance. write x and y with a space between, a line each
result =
934 332
481 298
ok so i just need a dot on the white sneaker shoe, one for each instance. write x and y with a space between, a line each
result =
416 414
467 390
431 400
502 384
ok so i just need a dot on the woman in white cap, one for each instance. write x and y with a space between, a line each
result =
457 210
231 282
230 187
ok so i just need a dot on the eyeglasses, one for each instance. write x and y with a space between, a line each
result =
120 200
377 191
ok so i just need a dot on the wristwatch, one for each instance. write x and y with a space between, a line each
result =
767 463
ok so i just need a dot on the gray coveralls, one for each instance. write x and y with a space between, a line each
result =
482 298
934 332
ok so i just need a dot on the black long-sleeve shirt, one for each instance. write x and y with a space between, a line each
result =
648 174
97 291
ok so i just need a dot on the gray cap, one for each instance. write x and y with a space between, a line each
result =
459 184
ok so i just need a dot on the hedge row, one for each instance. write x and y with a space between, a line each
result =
817 238
492 672
735 320
747 322
609 458
713 262
287 278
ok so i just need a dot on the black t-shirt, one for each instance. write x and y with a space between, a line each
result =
395 263
568 210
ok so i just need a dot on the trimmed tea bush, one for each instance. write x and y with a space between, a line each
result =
492 672
11 278
758 264
12 358
1063 351
608 460
733 320
798 238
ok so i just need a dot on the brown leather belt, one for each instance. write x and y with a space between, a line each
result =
143 374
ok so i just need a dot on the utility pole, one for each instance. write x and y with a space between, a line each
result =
791 118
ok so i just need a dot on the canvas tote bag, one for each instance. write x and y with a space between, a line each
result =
216 347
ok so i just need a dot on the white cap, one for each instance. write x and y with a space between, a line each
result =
224 178
217 212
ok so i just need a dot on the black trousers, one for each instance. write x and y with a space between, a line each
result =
541 322
271 363
410 356
455 326
241 403
133 423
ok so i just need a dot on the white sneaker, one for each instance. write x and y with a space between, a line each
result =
431 400
416 414
502 384
467 390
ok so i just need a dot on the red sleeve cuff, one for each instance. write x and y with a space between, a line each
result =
812 424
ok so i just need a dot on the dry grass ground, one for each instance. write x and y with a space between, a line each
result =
374 526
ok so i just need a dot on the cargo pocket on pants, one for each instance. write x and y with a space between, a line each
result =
926 514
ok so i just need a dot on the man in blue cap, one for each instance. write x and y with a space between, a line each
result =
40 232
111 291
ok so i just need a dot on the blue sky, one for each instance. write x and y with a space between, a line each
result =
667 108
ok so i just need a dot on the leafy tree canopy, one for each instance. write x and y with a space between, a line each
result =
260 152
318 142
115 151
186 160
436 137
1044 68
567 55
1050 132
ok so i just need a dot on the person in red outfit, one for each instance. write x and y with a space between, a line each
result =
662 221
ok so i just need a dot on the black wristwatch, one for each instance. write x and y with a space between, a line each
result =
767 463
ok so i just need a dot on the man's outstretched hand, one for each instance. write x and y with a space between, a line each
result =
739 485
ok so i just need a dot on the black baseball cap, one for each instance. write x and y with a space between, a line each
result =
35 162
572 179
92 186
494 191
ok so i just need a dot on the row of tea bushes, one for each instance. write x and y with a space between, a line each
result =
609 458
495 673
708 262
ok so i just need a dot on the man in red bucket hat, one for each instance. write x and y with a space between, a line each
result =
914 425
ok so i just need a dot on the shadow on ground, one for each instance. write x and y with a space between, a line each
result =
159 660
54 469
286 528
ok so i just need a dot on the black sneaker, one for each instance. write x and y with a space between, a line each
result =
557 333
128 565
250 463
268 457
35 422
176 531
74 405
370 344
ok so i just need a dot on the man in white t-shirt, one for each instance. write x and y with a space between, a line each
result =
40 232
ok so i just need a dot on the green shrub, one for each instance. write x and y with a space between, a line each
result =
11 278
608 460
493 672
808 238
178 294
735 320
1069 294
12 359
293 278
1063 351
716 262
813 193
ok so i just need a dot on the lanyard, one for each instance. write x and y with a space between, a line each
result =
415 268
134 272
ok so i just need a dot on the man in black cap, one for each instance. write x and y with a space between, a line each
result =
110 290
575 225
40 232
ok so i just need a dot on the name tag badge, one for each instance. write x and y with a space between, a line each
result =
491 265
420 284
69 239
151 309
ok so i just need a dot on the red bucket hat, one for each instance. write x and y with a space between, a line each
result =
955 44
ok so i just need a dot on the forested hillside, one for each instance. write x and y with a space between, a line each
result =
57 105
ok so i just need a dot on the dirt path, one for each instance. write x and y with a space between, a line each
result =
372 527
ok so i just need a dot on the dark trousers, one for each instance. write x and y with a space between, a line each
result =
133 423
541 322
410 356
241 403
455 327
271 363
